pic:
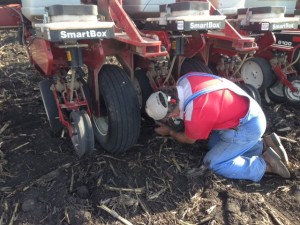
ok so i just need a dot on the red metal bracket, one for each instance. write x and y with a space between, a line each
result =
283 78
10 16
127 32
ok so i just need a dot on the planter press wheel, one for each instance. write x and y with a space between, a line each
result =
258 72
194 65
143 88
252 92
293 98
82 132
275 92
50 106
117 128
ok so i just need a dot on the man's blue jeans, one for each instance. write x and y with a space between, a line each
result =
237 153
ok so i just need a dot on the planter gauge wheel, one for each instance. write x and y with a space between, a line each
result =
252 92
275 92
82 135
258 72
50 106
143 88
293 98
194 65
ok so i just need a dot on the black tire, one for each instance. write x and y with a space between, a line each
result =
82 135
118 127
275 92
50 106
252 92
143 88
258 72
194 65
293 98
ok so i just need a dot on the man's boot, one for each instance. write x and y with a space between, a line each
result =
274 164
274 142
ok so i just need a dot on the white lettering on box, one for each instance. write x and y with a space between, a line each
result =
282 26
83 34
205 25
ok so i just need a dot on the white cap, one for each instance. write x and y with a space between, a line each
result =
157 105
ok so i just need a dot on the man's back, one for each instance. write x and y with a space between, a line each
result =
215 110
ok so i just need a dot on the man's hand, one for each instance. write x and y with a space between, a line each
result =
163 129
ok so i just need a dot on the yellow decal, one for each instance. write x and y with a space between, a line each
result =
69 56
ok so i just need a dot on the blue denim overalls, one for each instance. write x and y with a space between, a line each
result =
235 153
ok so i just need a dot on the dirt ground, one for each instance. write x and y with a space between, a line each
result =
157 182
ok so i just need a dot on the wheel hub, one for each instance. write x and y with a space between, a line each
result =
82 135
277 89
252 74
101 124
296 94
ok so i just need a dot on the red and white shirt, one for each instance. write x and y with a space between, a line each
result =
216 110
